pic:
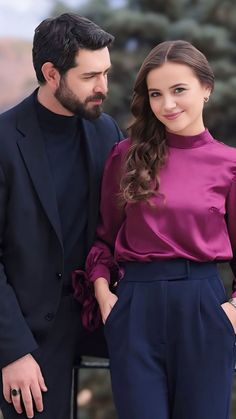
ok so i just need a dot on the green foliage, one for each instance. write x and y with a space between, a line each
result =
127 24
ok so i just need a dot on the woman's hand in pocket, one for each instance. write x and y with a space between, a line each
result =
107 305
105 298
230 312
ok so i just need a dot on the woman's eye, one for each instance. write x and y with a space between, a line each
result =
154 94
179 89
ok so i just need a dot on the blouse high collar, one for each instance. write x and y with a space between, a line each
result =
192 141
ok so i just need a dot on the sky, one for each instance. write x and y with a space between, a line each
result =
19 18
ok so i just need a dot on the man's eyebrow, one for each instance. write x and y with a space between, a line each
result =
94 73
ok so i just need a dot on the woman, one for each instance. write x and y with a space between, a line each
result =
167 217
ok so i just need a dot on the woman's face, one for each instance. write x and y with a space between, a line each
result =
176 98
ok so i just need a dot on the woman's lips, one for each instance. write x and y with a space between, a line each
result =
171 116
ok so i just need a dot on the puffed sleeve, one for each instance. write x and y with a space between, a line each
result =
231 223
100 261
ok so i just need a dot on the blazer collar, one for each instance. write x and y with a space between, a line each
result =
93 160
32 148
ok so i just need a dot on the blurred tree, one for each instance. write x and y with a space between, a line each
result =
209 25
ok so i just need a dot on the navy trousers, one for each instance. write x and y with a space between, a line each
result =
172 347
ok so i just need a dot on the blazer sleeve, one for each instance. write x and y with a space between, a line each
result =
15 336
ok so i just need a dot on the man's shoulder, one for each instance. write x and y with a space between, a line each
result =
104 121
104 129
10 114
104 118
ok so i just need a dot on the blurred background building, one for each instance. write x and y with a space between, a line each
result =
138 25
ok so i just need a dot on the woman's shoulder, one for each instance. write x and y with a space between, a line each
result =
117 155
225 150
123 145
120 148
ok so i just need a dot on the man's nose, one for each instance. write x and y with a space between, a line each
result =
101 85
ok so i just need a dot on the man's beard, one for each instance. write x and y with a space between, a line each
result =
68 100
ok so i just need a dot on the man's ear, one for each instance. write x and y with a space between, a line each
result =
51 74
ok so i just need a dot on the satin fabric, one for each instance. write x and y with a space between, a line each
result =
192 216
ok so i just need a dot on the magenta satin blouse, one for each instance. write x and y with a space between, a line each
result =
193 216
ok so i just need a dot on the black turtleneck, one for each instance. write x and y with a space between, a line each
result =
66 156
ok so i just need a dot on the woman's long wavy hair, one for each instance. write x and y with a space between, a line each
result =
148 151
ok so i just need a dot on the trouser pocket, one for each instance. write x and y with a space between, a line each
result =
217 297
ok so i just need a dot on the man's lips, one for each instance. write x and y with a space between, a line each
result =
173 115
97 101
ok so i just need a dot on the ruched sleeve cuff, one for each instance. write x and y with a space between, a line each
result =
99 271
100 261
83 285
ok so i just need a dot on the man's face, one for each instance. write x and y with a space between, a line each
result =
83 88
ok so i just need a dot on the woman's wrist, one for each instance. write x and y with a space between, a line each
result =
101 288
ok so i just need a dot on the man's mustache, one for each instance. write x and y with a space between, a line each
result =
98 96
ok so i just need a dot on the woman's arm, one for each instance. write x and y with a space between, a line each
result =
101 266
230 307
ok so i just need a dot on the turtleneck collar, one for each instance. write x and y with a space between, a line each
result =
54 122
191 141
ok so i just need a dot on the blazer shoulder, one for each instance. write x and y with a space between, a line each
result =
8 131
9 117
106 123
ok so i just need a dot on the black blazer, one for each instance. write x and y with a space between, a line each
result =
31 248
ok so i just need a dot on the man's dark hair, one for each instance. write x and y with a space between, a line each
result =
59 39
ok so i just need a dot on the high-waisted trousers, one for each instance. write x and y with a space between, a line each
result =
172 347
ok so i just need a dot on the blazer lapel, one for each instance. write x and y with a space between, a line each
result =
92 154
33 152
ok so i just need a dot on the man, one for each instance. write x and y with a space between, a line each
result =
53 147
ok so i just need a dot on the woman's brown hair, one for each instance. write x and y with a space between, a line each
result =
148 151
